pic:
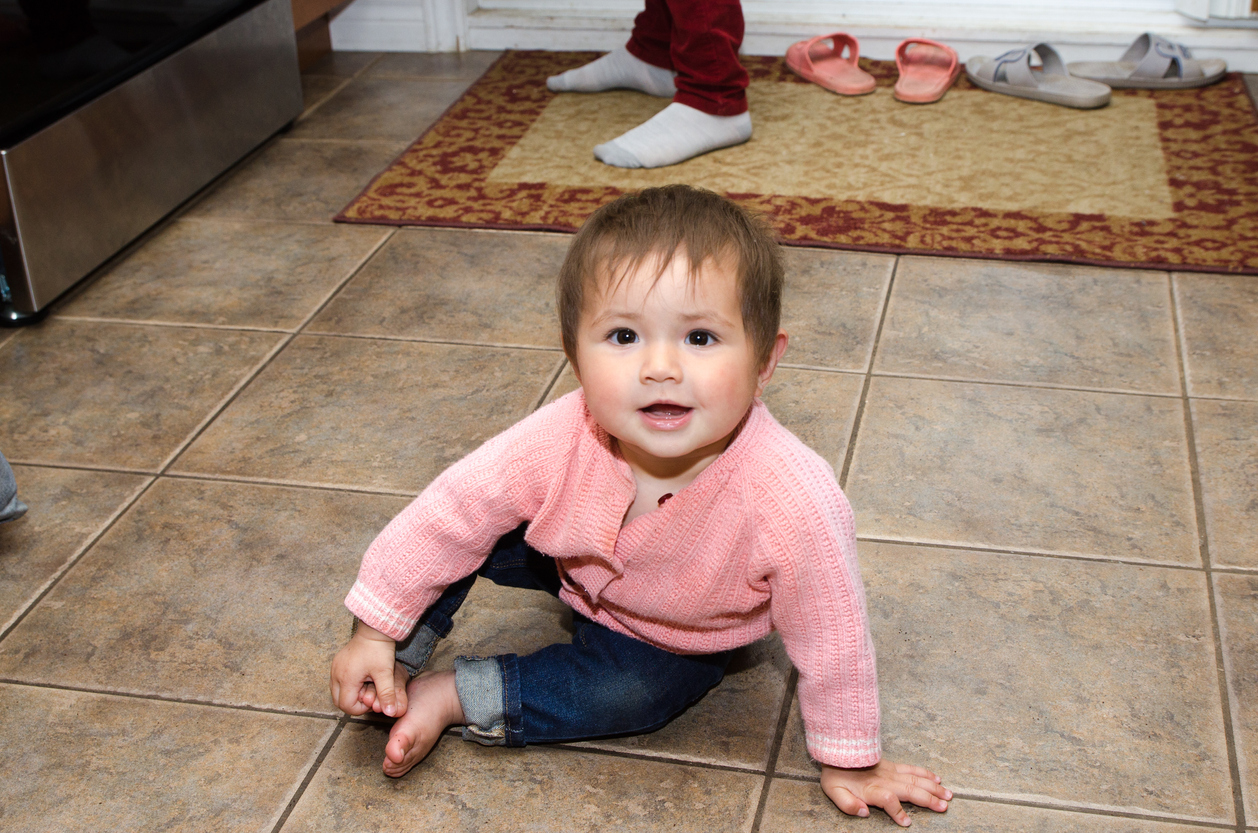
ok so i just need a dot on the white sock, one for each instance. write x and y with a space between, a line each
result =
674 134
616 70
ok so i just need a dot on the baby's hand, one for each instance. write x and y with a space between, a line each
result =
884 785
364 663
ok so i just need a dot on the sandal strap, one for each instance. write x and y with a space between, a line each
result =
840 39
1015 65
1159 56
903 49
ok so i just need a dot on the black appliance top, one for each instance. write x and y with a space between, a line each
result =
57 55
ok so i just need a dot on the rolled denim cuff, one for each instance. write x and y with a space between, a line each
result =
415 651
479 681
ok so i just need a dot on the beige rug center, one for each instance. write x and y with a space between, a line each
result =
974 149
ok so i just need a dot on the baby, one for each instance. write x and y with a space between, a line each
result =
661 502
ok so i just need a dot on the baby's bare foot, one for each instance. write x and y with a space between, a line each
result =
368 694
434 705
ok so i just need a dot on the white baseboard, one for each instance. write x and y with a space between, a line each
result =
1078 29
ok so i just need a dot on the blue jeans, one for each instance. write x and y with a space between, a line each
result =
602 683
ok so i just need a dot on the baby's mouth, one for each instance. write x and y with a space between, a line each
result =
666 410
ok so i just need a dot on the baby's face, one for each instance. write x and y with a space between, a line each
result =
668 369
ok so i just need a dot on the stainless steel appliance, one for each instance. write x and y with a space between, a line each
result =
109 127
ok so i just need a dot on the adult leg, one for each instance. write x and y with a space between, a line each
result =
643 64
709 110
603 683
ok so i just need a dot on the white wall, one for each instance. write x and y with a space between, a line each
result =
1080 29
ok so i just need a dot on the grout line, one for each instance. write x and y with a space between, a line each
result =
287 484
277 221
18 461
850 454
1203 537
218 409
1063 806
167 698
269 357
1234 571
183 325
1064 556
352 273
1223 398
550 385
779 735
308 112
89 542
1033 385
310 774
422 340
815 368
655 759
398 143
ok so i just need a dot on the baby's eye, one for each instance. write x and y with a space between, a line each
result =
700 338
623 336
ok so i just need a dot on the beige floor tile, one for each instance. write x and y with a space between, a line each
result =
801 807
464 286
1238 620
67 507
381 109
1219 316
1073 681
71 761
465 65
116 394
819 408
465 787
1027 469
292 179
377 414
733 725
219 592
1227 458
315 89
565 384
1040 323
831 306
229 272
343 64
503 620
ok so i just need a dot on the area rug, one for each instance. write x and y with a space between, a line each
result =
1165 180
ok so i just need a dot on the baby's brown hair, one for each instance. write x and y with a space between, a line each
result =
658 222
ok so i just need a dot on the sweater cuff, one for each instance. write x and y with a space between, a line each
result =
371 611
847 753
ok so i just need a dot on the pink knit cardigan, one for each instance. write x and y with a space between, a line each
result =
762 539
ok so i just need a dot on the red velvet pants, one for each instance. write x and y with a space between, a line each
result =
699 39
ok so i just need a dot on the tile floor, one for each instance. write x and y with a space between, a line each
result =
1053 468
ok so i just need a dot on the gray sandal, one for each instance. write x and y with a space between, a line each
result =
1153 63
1011 74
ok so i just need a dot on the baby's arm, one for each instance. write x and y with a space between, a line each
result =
367 660
884 785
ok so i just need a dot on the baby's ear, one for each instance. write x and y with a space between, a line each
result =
775 355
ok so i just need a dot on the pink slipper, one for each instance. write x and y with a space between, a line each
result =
828 67
926 71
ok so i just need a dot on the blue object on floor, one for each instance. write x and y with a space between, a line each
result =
10 507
